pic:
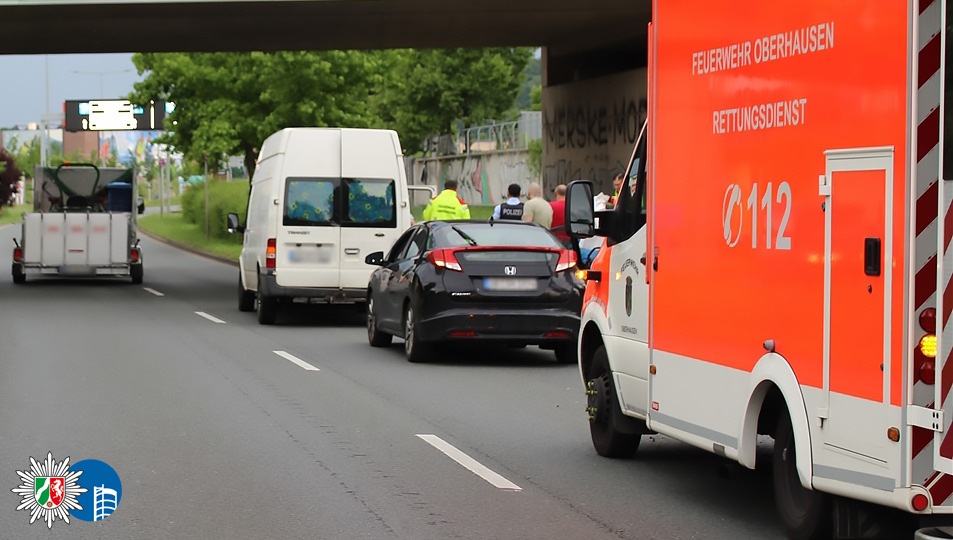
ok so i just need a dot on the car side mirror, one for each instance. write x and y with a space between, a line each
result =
375 259
580 210
232 223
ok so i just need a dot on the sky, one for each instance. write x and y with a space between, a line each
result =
71 76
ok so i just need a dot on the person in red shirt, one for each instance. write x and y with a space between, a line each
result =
558 227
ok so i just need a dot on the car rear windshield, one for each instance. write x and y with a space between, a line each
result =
499 234
348 202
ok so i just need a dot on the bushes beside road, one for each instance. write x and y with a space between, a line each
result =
224 198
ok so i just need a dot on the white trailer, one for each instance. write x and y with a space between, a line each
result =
83 224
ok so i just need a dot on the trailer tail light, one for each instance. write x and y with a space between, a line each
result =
134 255
271 253
567 260
17 254
444 258
927 320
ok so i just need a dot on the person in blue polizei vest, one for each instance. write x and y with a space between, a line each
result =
512 208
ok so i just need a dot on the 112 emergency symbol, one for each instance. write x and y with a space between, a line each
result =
733 211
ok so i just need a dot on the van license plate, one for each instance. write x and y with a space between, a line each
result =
509 284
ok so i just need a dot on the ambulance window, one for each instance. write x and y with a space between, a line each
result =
632 194
947 165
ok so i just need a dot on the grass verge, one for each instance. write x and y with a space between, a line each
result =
14 214
174 228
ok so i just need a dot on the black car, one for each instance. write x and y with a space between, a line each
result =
505 283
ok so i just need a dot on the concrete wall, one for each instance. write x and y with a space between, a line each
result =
482 177
590 127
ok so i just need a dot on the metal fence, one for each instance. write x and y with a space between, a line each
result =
492 137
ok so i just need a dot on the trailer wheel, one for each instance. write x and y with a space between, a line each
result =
136 272
805 513
603 406
267 308
246 298
18 275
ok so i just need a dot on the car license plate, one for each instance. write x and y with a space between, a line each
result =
509 284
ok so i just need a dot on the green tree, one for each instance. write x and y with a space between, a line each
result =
9 176
427 92
228 103
532 78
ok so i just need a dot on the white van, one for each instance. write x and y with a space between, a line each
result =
321 199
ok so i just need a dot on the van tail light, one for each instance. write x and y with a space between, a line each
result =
17 254
271 253
134 255
567 260
444 258
927 320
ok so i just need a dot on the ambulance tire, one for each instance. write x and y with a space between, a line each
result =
806 514
246 298
606 438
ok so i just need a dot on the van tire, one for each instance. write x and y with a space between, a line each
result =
374 336
267 308
246 298
606 438
805 514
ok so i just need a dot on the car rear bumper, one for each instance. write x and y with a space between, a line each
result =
531 326
330 295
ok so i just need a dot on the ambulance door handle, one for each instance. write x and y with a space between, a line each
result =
872 256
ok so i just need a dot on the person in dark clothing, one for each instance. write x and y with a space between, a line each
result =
512 208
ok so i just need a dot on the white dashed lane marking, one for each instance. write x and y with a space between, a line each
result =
473 465
153 291
209 317
296 360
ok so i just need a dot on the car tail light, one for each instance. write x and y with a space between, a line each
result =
557 334
134 255
444 258
463 333
17 254
271 253
927 320
567 260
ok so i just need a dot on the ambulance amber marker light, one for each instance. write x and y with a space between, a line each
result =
893 434
928 320
928 346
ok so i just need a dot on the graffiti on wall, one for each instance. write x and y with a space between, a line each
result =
590 127
482 179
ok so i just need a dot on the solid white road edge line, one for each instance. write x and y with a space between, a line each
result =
473 465
153 291
296 360
209 317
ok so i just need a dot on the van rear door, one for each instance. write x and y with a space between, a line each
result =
309 237
373 189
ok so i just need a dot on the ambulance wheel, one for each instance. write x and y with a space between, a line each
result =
246 298
18 275
267 308
805 513
603 407
374 336
135 271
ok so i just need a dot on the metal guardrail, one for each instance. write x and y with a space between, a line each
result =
514 135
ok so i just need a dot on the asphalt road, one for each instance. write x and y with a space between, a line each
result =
214 434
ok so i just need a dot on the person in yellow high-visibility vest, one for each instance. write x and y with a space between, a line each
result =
447 204
617 185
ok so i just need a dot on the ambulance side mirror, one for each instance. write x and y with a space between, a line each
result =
580 210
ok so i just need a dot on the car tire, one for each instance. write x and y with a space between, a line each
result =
414 350
267 308
804 513
135 271
374 336
246 298
18 275
567 354
603 406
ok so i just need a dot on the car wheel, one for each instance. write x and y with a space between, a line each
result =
267 308
413 348
603 406
805 513
567 354
18 275
246 298
374 336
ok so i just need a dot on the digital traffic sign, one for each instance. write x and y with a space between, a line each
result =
115 115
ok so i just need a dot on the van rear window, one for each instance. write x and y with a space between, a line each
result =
349 202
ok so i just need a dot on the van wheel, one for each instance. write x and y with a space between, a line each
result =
805 513
603 406
267 309
18 275
413 348
246 298
374 336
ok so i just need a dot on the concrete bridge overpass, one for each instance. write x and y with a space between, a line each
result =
592 49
